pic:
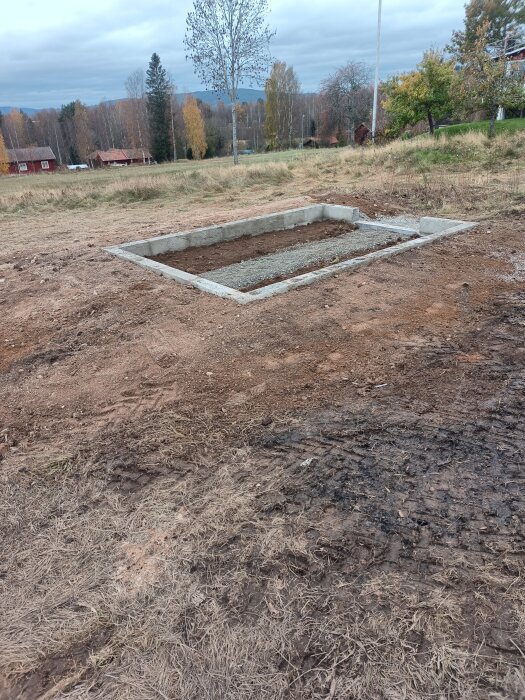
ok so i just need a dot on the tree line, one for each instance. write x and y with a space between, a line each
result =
155 119
469 75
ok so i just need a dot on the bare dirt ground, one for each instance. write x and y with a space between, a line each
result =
317 496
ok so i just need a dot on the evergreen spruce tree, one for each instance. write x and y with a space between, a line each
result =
158 102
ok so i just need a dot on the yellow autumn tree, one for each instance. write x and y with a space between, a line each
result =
194 125
15 126
427 93
83 136
4 158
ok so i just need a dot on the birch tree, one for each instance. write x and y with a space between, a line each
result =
228 43
83 137
347 98
282 89
14 127
135 111
503 22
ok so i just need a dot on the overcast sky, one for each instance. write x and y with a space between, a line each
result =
60 50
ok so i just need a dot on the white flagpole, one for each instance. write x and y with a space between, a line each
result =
376 82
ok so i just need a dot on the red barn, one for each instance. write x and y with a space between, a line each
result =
37 159
119 156
517 54
362 133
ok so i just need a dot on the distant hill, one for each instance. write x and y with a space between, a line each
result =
211 98
27 110
207 96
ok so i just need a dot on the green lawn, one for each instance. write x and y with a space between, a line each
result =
507 126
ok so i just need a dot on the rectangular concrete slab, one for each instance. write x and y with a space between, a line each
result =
138 252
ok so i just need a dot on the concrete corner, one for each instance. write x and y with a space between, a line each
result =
431 224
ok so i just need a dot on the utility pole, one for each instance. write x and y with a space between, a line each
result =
173 123
376 81
302 132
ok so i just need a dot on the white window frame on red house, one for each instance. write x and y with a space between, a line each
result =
22 167
44 164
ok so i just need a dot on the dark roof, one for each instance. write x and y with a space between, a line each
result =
511 52
332 140
137 153
113 154
118 154
17 155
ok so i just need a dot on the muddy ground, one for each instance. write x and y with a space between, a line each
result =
316 496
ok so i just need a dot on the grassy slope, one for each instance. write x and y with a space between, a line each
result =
507 126
466 153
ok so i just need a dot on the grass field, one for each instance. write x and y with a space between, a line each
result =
315 497
505 126
469 153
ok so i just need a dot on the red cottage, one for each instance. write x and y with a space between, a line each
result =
119 156
517 54
38 159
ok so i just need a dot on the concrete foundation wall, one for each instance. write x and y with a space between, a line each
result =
340 213
174 242
377 226
138 252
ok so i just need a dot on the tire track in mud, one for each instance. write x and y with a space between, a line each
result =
461 481
437 499
413 487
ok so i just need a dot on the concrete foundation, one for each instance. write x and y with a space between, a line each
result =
430 229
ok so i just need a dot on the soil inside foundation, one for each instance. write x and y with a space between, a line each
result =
202 259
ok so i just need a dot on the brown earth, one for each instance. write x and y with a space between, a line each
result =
316 496
197 260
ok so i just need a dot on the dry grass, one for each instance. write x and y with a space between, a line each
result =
188 592
141 187
471 157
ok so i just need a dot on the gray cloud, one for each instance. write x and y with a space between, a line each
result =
52 53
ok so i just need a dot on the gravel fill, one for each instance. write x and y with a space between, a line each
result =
284 262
